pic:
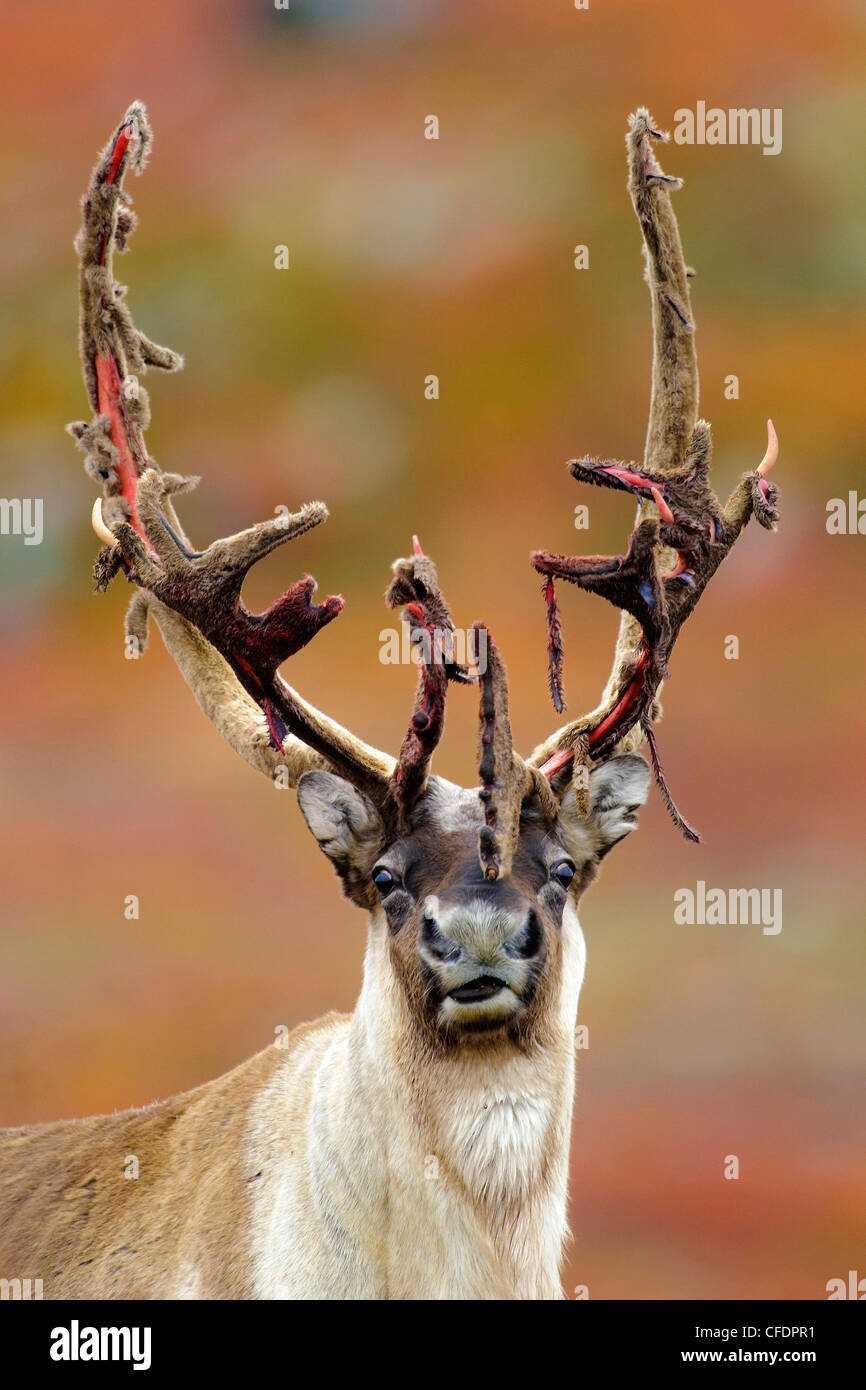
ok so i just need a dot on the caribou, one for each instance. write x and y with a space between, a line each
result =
418 1147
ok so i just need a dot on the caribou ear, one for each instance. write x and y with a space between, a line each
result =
617 788
347 826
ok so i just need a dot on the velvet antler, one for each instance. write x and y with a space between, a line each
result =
192 594
679 514
415 588
228 655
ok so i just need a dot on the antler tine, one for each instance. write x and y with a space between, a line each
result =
220 696
507 781
415 588
682 533
227 655
501 772
113 351
674 397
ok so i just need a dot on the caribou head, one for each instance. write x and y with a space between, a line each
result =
472 892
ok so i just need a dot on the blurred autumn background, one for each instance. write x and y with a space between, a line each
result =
411 257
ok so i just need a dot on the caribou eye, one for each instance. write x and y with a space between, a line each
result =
384 881
563 872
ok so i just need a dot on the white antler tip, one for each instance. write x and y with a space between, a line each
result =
664 510
99 526
772 451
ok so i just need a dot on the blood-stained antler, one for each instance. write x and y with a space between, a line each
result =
679 516
229 656
415 588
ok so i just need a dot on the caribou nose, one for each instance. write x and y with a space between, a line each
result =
437 942
449 934
527 940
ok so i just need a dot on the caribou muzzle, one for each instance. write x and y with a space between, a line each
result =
481 955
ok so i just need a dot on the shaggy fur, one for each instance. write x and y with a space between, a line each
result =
401 1152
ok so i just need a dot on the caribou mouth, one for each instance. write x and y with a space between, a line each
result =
476 990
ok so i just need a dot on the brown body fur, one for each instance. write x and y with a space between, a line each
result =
71 1216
